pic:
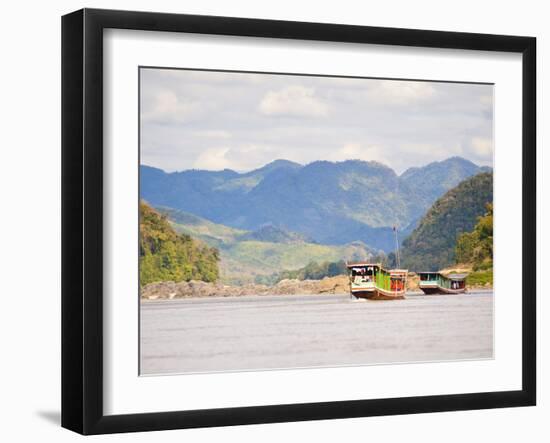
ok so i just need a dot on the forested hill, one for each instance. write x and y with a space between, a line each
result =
431 246
168 256
475 249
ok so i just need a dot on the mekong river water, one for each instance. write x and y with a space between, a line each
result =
293 331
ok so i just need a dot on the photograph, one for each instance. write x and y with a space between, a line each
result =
304 221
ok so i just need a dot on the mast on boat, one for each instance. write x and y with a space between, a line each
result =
397 259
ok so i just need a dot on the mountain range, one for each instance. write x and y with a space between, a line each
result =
324 202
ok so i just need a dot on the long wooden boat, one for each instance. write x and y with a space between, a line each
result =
436 283
372 281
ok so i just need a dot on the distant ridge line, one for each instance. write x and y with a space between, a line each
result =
303 165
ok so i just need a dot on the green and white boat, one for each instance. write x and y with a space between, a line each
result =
372 281
437 283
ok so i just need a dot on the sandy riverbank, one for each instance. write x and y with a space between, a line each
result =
328 285
171 290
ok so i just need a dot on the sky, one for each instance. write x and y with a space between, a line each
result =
216 120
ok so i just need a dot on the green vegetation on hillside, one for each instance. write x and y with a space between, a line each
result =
274 234
315 271
432 245
165 255
318 271
211 233
248 257
476 248
480 278
247 261
312 271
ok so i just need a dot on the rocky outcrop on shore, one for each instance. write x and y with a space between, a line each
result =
172 290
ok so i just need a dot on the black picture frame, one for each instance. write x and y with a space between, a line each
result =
82 218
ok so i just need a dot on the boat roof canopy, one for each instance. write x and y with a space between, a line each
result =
454 276
395 272
398 271
457 276
362 265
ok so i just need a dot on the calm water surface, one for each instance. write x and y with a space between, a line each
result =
270 332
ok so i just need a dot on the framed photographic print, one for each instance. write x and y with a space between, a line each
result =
269 221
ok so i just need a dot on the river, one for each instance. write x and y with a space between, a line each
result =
291 331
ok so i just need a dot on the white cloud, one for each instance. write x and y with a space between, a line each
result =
212 134
483 147
239 158
166 107
213 159
351 150
400 92
358 151
293 101
486 100
216 120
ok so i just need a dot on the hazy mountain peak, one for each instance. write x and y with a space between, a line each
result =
150 168
281 162
350 166
434 179
449 162
274 165
369 163
457 159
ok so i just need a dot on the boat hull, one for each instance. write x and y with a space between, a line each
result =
363 293
453 291
379 294
438 290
